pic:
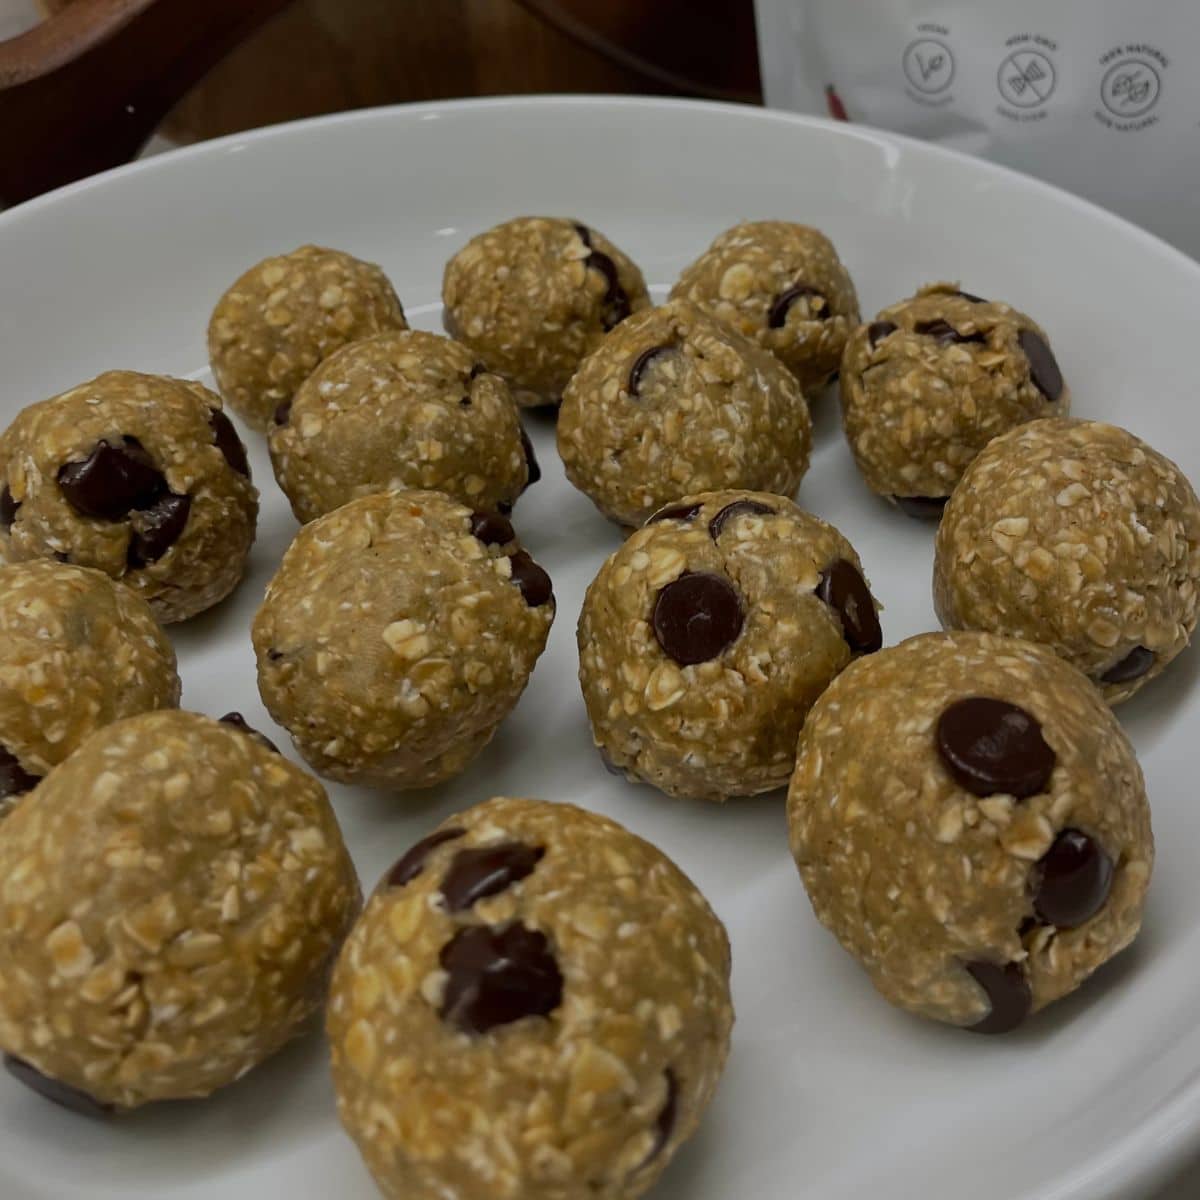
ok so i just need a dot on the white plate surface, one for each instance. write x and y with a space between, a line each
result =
829 1093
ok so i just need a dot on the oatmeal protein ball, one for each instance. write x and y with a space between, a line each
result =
534 1006
172 898
674 403
142 477
971 823
706 637
397 634
284 315
1078 535
783 286
929 382
534 295
77 651
401 410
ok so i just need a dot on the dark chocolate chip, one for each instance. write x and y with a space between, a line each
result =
487 870
584 232
675 512
991 746
504 508
664 1123
531 462
157 529
616 302
696 617
61 556
465 402
8 508
844 589
14 779
1043 366
496 976
283 410
610 766
113 481
945 334
412 862
717 525
274 655
492 529
534 583
1007 989
1071 881
239 722
878 330
58 1093
476 370
777 314
1133 666
641 365
227 441
970 296
1027 926
923 508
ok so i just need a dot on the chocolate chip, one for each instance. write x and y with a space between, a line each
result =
531 462
274 655
878 330
970 296
61 556
610 766
58 1093
675 512
777 314
844 589
465 402
8 508
534 583
492 529
1071 881
1027 926
476 370
584 232
504 508
616 302
717 525
239 722
487 870
157 529
642 363
923 508
283 410
664 1123
1007 989
496 976
113 481
945 334
696 617
1043 366
991 746
14 779
412 862
227 441
1133 666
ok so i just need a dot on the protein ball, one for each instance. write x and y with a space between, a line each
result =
142 477
929 382
284 315
535 1003
172 898
705 639
534 295
397 634
673 403
1078 535
783 286
970 821
77 651
400 410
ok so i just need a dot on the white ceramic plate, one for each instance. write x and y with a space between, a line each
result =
829 1093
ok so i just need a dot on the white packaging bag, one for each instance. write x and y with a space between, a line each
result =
1101 97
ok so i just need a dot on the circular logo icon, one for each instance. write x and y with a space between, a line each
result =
1026 78
929 65
1130 87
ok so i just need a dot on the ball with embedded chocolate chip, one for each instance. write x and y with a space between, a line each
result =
535 1003
142 477
929 382
971 822
1079 535
706 637
397 634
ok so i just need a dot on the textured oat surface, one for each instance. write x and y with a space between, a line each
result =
171 901
711 410
566 1106
525 298
1079 535
759 278
399 410
284 315
916 875
392 642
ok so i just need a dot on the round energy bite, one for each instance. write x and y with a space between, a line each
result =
782 285
142 477
1078 535
284 315
397 634
970 821
674 402
534 295
535 1003
77 651
929 382
706 637
401 410
171 901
